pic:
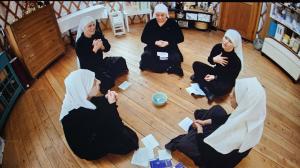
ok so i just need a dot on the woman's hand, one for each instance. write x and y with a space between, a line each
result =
111 96
164 43
203 122
220 60
98 45
209 77
198 127
161 43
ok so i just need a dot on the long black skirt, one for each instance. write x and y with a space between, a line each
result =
113 67
151 62
218 87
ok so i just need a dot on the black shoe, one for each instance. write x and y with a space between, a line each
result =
210 96
175 70
192 78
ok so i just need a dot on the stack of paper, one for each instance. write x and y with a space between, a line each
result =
164 154
142 156
150 142
163 55
195 89
185 123
124 85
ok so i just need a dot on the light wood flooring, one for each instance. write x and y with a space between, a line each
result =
34 135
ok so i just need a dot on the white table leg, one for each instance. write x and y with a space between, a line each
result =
126 21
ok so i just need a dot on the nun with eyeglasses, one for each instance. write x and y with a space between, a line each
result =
226 61
90 45
218 138
90 120
161 35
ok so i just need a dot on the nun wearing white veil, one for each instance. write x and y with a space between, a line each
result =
162 34
90 45
227 61
217 139
90 120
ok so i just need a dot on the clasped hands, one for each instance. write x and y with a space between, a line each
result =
111 96
198 124
98 44
161 43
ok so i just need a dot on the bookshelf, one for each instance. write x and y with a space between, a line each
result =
10 88
282 44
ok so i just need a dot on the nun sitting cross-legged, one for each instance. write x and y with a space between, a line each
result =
220 140
227 60
91 122
161 35
90 45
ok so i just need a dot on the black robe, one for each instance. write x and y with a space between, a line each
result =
202 154
226 75
152 32
106 69
91 134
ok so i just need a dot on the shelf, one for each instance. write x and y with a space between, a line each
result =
295 10
11 88
286 46
283 22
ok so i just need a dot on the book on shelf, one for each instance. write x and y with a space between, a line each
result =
272 29
279 32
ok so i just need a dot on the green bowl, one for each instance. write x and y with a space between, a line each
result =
159 98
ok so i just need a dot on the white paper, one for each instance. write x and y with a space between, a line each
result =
149 141
142 156
190 90
195 89
185 123
163 54
124 85
164 154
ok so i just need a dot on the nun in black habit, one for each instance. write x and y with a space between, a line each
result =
162 34
227 60
90 45
220 140
91 122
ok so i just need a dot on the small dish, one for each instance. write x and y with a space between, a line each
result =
159 98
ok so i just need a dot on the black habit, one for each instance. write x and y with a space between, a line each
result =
106 69
91 134
202 154
171 32
225 75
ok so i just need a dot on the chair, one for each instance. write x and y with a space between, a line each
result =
117 23
136 8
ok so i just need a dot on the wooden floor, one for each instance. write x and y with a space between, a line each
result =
34 135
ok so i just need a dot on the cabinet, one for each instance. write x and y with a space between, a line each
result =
36 39
241 16
194 16
10 88
283 41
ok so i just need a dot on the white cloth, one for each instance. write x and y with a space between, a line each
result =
244 127
161 8
78 84
83 22
236 39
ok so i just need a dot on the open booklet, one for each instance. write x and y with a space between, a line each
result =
195 90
